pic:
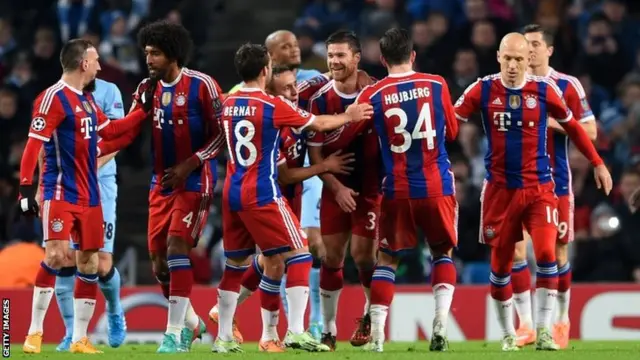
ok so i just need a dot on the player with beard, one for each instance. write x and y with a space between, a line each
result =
541 45
66 124
186 134
350 204
109 100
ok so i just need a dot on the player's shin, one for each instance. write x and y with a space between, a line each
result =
564 283
110 286
443 280
86 289
251 279
315 313
270 307
181 282
546 277
65 282
382 289
331 283
297 287
521 283
363 255
228 292
501 290
42 294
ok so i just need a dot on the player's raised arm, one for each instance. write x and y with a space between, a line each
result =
47 115
110 130
287 114
469 102
558 110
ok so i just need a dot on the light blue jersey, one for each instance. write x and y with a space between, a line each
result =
303 74
109 99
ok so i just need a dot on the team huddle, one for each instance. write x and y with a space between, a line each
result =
315 162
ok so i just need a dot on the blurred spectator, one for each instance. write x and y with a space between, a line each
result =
19 264
8 44
22 79
468 197
470 140
465 72
485 43
306 41
475 11
46 63
370 61
10 122
433 45
74 17
606 254
382 15
119 50
602 55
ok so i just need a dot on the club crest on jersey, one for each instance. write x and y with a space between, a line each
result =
87 107
38 124
217 104
514 101
57 225
530 101
489 232
181 100
166 98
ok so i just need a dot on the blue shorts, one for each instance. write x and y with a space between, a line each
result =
108 197
311 193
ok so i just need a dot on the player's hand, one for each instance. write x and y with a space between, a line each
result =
147 95
345 197
359 112
176 175
337 163
603 178
28 204
634 200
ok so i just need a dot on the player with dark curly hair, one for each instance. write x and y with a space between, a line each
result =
186 136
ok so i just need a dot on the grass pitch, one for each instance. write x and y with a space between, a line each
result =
471 350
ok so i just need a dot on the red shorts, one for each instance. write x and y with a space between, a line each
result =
63 221
400 219
566 208
181 214
362 222
272 227
505 211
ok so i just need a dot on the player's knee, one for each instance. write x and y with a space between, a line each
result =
562 253
105 263
87 261
520 253
441 250
385 259
159 264
177 246
274 266
239 261
363 252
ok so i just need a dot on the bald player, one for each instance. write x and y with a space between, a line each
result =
541 46
519 184
284 50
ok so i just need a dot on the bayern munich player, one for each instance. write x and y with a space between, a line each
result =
541 46
185 136
350 205
413 117
291 174
519 187
67 122
253 210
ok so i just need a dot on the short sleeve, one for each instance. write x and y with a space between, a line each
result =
47 114
576 100
288 114
469 102
556 105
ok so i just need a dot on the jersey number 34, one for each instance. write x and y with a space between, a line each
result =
423 128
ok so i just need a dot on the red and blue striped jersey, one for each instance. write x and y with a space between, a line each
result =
558 147
413 116
350 138
515 122
252 122
306 89
186 122
68 121
293 148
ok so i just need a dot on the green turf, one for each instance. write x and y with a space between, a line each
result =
471 350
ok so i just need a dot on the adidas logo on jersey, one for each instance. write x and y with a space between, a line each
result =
497 102
78 109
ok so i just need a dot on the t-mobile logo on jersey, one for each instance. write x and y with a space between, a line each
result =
86 127
503 119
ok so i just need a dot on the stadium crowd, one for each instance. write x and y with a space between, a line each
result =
596 41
